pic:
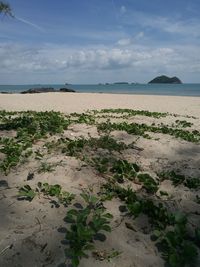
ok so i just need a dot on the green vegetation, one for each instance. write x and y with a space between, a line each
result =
14 151
183 124
141 129
148 182
5 9
46 167
29 126
169 229
176 178
63 197
26 193
131 112
122 169
86 223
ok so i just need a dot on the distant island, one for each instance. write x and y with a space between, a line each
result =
165 79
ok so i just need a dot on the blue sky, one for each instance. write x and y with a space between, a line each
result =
92 41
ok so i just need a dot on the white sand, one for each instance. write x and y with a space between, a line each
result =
79 102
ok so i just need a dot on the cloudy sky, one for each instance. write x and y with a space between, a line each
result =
92 41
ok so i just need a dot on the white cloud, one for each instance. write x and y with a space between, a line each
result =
53 63
124 42
174 25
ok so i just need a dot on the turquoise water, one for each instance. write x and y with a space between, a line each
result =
142 89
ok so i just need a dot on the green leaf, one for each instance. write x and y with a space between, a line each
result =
106 228
157 233
75 261
180 218
108 215
174 260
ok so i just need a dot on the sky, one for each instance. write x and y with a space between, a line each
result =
97 41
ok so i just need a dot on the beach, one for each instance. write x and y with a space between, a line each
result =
82 152
75 102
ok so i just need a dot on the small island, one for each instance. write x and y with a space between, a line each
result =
165 79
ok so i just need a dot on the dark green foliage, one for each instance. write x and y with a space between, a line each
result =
176 178
122 169
183 124
84 118
46 167
101 164
148 182
169 228
132 112
26 193
85 225
51 190
64 197
6 9
177 249
36 124
140 129
14 151
30 126
173 176
73 147
107 142
192 183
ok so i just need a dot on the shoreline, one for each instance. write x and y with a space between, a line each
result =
100 92
75 102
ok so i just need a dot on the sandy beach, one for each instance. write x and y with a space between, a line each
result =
32 232
80 102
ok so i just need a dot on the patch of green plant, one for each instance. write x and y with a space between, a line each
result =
46 167
84 118
64 197
86 223
177 250
168 228
107 142
72 147
148 182
38 155
101 164
26 193
132 112
176 178
140 129
192 183
30 126
14 151
173 176
76 147
183 123
122 169
158 214
37 124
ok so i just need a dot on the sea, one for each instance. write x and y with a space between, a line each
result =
139 89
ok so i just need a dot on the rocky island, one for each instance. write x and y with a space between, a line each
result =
46 90
165 79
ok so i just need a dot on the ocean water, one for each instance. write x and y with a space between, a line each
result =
141 89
